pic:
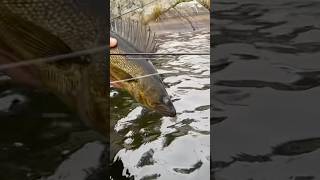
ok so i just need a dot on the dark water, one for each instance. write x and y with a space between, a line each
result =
41 139
148 146
266 68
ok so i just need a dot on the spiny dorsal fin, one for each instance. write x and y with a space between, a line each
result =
137 35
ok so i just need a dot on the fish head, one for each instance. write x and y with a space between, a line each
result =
141 80
150 92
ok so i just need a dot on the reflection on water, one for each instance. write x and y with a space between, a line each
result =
41 139
153 147
266 71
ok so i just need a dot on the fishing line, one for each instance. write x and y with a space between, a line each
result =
139 77
54 58
133 10
149 58
162 54
92 51
87 52
144 76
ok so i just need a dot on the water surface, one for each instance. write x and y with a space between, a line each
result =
153 147
265 120
42 139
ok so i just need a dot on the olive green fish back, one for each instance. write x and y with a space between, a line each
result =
42 28
77 28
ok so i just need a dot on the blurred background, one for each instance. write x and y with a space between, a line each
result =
265 68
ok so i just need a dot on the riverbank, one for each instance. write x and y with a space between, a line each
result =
181 24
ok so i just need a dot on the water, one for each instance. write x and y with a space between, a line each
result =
42 140
153 147
265 123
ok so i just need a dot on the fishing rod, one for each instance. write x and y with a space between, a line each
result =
54 58
139 77
84 53
93 51
152 54
162 54
148 54
144 76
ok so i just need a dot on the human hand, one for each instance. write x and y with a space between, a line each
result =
113 42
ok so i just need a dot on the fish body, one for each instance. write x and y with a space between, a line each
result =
31 29
150 91
37 29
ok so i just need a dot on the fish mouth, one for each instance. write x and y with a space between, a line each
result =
166 110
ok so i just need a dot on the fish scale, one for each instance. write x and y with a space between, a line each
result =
119 61
60 17
33 29
126 70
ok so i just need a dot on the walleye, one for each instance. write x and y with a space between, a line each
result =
32 29
35 29
149 91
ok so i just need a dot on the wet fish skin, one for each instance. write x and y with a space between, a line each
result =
149 91
29 32
133 37
35 29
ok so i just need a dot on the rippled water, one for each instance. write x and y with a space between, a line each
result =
153 147
266 110
41 139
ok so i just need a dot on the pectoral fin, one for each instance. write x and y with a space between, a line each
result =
118 74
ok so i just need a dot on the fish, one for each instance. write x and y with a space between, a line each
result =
31 29
37 29
149 91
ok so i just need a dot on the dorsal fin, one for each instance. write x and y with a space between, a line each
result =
136 35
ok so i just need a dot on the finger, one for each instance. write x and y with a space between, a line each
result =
113 42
